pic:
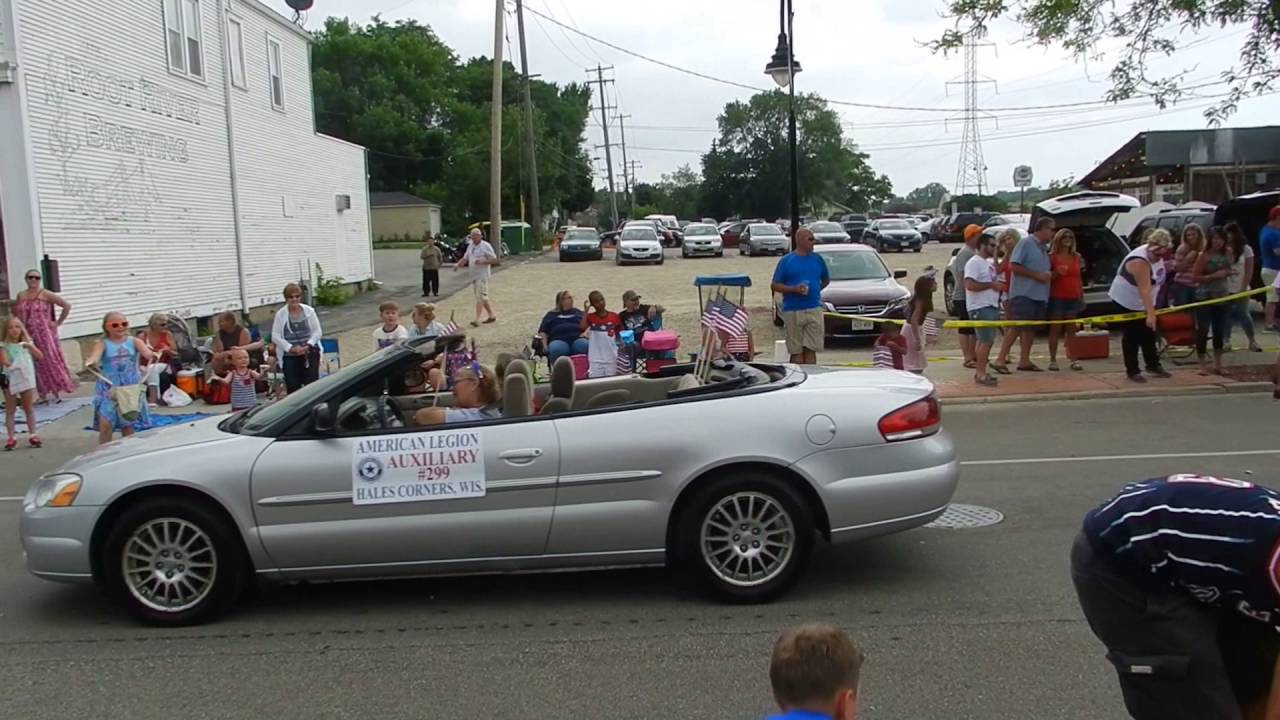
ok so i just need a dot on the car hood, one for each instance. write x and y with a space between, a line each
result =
899 233
831 236
177 436
702 238
863 292
638 243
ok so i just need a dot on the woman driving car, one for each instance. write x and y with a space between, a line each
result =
475 397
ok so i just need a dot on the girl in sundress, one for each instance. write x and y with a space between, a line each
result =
34 307
17 363
116 357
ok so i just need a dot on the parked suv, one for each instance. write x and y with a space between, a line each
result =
952 230
1174 220
1250 211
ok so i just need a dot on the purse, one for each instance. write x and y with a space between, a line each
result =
128 399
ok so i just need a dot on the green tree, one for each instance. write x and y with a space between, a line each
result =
747 169
1149 29
400 91
928 196
972 201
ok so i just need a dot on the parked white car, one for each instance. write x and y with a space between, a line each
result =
639 243
701 239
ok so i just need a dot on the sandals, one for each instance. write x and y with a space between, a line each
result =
986 381
35 441
970 364
10 444
1075 365
1002 369
491 320
1030 368
1053 366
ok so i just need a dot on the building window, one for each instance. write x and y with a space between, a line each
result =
235 52
275 73
183 39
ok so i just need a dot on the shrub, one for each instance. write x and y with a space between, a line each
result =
329 289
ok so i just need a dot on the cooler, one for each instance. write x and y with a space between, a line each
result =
1090 345
188 382
660 341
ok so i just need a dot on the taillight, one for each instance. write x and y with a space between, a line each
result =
920 418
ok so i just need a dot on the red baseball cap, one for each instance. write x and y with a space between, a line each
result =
1274 214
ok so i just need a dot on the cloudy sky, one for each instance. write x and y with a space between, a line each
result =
855 51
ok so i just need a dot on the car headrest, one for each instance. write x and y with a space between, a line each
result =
518 366
688 382
608 398
517 396
500 364
562 375
555 405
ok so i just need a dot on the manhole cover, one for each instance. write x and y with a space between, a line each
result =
959 516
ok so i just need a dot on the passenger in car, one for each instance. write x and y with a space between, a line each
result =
475 397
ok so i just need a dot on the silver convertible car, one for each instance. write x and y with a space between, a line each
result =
335 482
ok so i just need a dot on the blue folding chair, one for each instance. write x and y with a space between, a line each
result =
329 357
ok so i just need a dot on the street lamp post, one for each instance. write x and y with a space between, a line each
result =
783 68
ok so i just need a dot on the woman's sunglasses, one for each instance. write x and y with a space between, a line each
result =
33 277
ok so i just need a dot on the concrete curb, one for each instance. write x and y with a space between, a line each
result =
1144 392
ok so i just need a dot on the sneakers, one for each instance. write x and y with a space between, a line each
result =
1137 378
1159 372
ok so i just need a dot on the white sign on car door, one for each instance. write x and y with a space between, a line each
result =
442 465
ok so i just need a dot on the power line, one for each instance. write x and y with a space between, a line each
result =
848 103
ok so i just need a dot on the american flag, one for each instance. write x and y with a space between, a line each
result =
725 317
882 357
624 361
931 326
452 327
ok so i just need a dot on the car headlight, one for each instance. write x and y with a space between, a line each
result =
828 307
58 490
898 304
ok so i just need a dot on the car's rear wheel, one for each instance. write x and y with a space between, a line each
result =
173 562
745 537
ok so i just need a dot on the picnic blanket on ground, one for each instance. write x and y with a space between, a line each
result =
160 421
46 414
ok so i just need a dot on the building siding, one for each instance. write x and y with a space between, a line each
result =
129 186
283 166
398 221
129 162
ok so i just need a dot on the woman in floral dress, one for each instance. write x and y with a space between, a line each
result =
34 308
116 356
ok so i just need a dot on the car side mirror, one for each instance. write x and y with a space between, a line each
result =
322 418
899 274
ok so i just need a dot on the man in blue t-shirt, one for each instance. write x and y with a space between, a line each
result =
799 278
814 673
1269 256
1178 576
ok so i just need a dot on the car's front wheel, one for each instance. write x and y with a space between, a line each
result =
617 259
173 562
745 537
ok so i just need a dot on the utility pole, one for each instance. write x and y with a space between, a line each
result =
534 201
626 177
604 125
632 167
495 135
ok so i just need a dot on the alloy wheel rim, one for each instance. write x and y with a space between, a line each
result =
169 564
747 539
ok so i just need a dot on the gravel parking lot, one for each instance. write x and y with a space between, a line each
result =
522 294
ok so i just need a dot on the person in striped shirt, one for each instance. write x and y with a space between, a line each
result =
1176 576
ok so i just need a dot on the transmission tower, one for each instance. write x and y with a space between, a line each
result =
971 174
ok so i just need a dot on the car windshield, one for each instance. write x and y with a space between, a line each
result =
825 227
699 230
264 416
638 234
581 235
894 225
766 229
855 266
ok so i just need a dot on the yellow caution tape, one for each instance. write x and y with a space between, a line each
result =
1097 320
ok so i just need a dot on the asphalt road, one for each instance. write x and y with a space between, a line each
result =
978 623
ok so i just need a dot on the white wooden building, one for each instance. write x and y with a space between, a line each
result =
164 153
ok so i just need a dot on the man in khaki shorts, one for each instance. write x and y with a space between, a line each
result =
480 257
799 278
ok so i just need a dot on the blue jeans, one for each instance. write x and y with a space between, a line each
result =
560 348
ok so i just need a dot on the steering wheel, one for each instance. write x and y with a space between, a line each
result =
389 414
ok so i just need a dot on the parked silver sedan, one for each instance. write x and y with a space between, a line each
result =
336 482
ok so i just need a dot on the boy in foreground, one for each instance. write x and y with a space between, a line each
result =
814 673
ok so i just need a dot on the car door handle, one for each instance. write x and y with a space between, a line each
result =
523 456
